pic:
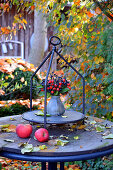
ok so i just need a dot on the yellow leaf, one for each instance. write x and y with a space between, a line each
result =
42 147
77 2
98 10
74 126
24 21
93 76
112 113
98 60
12 128
81 127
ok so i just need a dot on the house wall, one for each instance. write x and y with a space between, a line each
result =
22 35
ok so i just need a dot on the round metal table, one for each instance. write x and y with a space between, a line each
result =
90 143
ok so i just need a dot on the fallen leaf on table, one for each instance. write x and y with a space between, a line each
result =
74 126
100 129
106 133
9 140
40 113
42 147
81 127
27 148
5 126
52 142
8 128
62 136
64 116
76 137
110 136
92 122
108 127
13 119
12 128
21 144
57 142
62 142
98 119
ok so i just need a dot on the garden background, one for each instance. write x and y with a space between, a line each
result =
86 31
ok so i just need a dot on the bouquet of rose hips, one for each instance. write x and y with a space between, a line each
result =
55 85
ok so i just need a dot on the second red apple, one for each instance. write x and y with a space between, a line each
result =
42 135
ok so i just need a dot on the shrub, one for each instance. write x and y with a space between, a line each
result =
14 109
15 81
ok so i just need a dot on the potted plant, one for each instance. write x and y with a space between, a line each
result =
56 85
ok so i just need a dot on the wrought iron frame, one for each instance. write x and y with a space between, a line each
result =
50 55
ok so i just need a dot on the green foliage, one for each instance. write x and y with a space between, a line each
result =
14 109
0 166
95 164
17 84
97 69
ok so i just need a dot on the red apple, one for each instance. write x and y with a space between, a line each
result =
24 131
42 135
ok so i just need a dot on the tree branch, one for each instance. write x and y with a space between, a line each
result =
102 9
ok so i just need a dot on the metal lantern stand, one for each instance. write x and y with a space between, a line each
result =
55 41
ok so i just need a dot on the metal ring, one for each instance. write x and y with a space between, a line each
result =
55 43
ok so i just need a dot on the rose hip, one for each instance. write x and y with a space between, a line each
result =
50 87
52 92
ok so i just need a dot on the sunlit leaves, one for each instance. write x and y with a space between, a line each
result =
110 136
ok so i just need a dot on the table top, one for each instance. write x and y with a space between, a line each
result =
82 140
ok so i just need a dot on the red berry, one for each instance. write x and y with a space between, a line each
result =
52 84
69 88
68 84
60 83
57 89
52 92
49 81
64 80
54 88
47 88
55 85
50 87
42 89
59 86
52 81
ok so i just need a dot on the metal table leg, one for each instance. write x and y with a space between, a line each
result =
52 166
43 166
61 165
